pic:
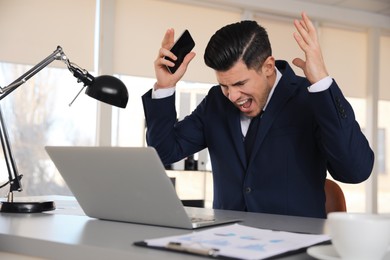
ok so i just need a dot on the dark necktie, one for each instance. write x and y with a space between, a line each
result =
250 136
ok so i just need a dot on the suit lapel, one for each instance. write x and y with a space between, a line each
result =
282 93
235 131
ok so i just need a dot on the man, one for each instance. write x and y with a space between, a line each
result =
305 125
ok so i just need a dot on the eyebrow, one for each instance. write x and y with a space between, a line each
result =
238 83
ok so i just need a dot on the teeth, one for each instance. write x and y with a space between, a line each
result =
242 102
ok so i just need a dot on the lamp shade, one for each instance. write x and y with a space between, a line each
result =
108 89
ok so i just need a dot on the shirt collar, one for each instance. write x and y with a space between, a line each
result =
278 77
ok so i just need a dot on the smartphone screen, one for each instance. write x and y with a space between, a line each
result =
181 48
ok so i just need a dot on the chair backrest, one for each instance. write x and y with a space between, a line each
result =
335 200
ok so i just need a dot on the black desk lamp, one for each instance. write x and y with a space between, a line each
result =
104 88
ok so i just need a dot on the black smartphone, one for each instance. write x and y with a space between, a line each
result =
183 45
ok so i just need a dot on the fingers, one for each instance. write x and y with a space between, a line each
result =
299 63
301 43
168 39
307 24
167 44
307 34
187 59
164 51
302 37
161 59
164 77
303 24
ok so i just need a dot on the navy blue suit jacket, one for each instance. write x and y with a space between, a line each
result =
301 136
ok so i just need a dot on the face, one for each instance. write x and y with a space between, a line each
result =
248 89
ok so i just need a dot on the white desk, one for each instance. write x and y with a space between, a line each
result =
67 233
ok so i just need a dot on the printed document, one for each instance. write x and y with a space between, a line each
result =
238 241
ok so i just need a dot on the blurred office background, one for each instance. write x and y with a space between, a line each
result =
122 38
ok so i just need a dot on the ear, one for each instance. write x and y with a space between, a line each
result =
268 67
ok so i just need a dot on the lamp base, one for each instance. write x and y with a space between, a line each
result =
27 207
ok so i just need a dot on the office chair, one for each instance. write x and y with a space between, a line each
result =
335 200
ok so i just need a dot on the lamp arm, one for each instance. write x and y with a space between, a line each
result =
82 76
104 88
13 175
34 70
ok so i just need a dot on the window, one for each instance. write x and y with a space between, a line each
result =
130 123
384 126
38 114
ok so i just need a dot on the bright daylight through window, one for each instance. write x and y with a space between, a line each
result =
38 114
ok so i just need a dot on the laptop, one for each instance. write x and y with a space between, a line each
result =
127 184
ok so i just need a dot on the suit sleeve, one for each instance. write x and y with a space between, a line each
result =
173 140
350 158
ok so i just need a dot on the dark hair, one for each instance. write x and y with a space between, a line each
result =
244 40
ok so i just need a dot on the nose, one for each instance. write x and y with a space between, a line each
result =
233 94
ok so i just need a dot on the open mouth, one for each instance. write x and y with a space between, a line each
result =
244 104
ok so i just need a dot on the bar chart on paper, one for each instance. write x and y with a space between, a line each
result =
238 241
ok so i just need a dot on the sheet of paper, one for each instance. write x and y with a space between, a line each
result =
242 242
